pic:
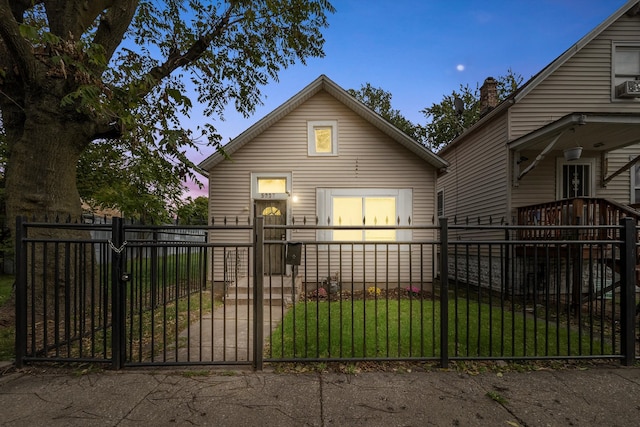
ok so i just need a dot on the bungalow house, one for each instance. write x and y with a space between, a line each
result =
325 159
564 148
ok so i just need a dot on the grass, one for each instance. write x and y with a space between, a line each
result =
154 332
6 287
410 328
152 329
7 332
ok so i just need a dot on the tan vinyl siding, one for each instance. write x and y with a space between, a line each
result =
476 183
619 188
366 158
582 84
539 185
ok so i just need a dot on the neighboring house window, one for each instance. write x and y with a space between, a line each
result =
626 69
371 207
323 138
440 203
635 183
575 179
270 185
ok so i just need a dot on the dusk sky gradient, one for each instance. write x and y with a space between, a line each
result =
421 50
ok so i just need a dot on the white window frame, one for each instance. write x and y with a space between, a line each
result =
255 176
324 206
311 137
588 161
614 49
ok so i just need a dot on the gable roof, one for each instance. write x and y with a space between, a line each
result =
534 81
323 83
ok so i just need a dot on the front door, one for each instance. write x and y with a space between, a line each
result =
274 213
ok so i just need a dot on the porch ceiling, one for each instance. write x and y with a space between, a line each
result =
592 131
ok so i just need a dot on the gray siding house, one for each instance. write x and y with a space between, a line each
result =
325 157
519 154
562 150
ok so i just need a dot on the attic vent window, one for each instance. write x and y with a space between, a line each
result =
627 72
323 138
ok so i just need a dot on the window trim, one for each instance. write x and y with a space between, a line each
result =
614 48
438 207
255 176
324 206
311 140
589 161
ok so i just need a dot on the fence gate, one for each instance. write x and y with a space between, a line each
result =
131 295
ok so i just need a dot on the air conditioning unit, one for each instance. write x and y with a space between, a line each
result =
628 89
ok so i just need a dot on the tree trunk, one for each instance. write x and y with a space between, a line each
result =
41 184
41 171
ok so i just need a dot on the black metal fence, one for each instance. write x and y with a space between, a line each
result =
128 295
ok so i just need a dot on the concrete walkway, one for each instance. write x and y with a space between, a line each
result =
592 396
225 335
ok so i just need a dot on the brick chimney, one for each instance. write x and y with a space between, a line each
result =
488 95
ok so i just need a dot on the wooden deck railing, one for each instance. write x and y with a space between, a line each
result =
578 211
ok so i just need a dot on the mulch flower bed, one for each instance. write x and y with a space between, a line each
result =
371 293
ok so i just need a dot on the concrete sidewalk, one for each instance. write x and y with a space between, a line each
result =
606 395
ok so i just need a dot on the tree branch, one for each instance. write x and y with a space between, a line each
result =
114 24
17 47
19 6
177 59
71 18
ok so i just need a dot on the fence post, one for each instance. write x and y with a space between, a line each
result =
444 293
507 290
21 293
627 295
258 293
118 350
155 295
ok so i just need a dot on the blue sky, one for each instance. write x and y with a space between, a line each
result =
421 50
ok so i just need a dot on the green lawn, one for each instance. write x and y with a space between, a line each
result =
410 328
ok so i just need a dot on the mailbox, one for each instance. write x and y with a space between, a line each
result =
294 253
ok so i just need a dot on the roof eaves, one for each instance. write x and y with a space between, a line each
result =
504 105
567 54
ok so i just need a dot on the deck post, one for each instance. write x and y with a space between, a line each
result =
576 264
